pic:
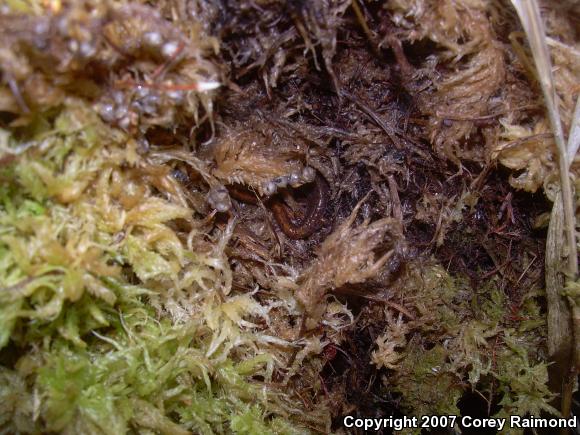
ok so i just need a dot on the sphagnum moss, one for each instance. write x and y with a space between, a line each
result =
95 356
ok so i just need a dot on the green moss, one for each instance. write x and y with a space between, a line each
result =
427 383
459 341
136 373
522 382
94 355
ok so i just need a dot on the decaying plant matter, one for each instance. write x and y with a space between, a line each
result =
346 256
260 216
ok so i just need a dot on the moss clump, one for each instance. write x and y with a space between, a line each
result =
138 373
95 352
474 346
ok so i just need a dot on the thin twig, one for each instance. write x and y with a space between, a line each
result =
374 117
363 23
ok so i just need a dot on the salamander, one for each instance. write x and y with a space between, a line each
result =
295 227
